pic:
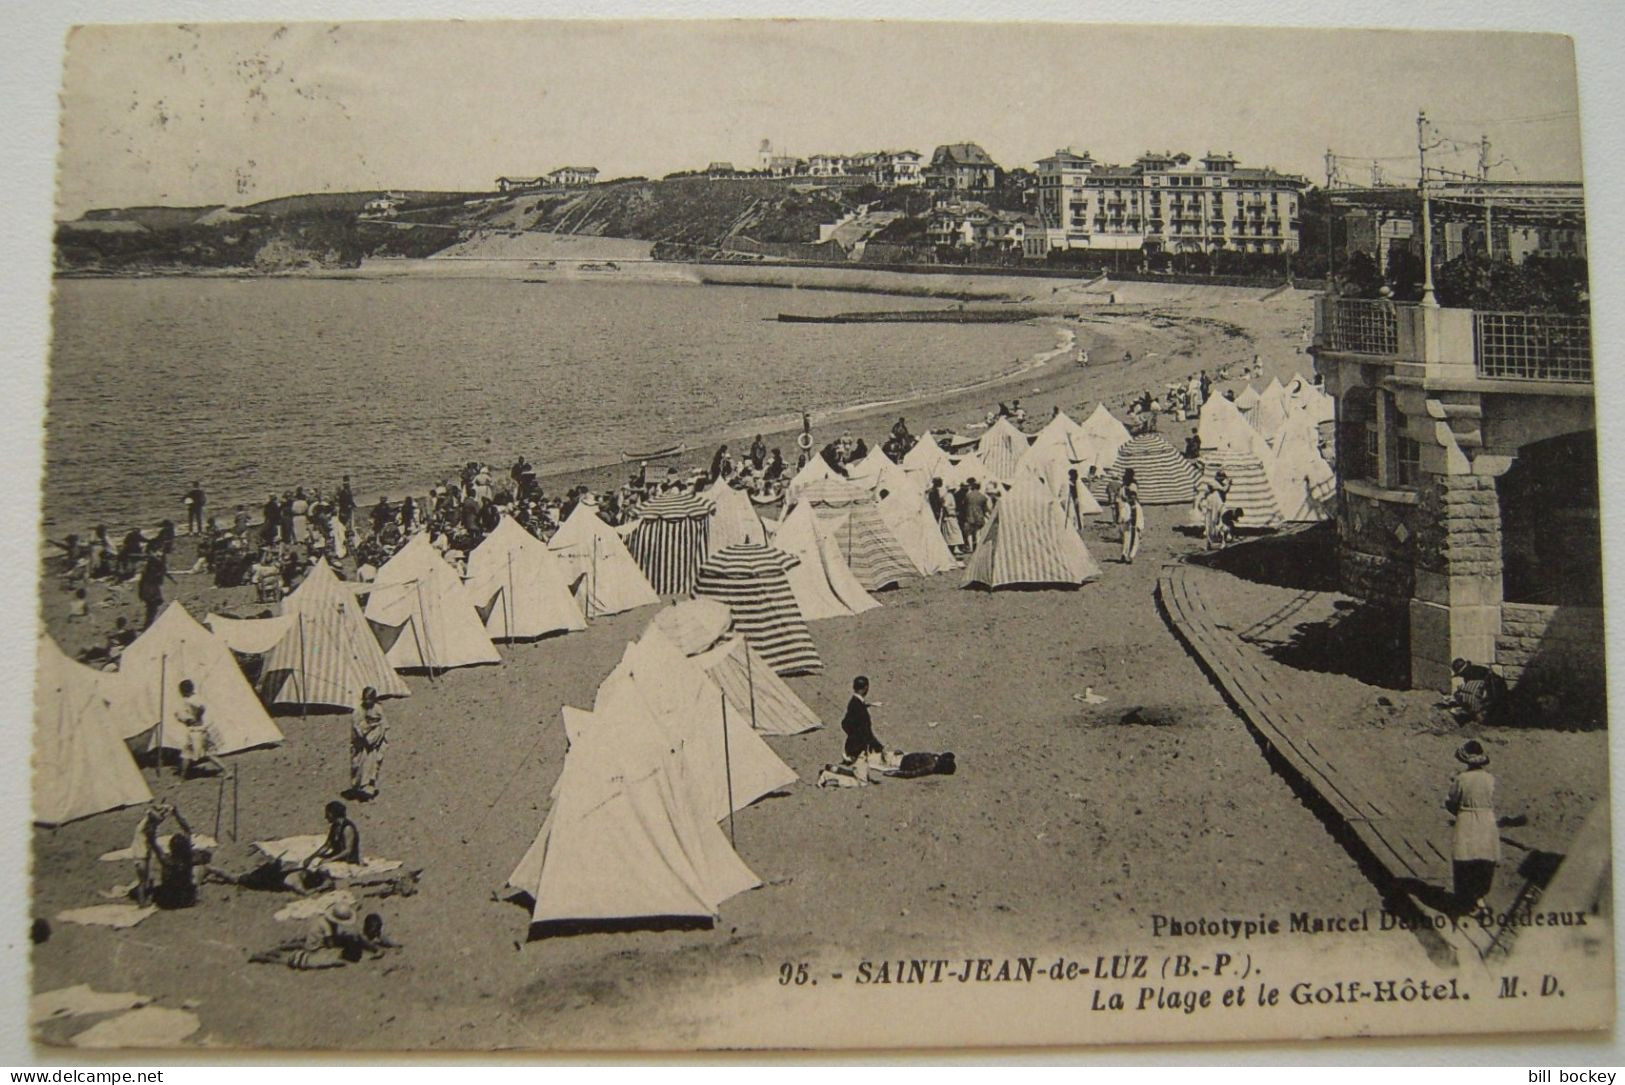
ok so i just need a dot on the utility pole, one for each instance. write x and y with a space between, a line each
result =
1484 175
1427 216
1331 262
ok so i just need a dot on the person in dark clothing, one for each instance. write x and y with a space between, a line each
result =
344 501
832 456
194 509
775 467
1480 696
343 843
758 453
150 588
857 724
272 521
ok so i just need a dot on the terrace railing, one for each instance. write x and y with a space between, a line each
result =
1532 346
1361 326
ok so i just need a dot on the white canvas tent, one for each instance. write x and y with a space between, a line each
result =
1304 482
654 677
319 651
1302 397
175 648
517 586
1270 413
1223 429
908 514
424 618
926 461
1103 436
81 764
816 469
735 519
626 838
605 577
699 628
822 582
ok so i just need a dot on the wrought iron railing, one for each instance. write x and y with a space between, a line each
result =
1361 326
1532 346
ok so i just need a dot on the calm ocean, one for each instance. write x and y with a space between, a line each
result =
260 385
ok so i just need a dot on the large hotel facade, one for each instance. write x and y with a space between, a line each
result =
1165 202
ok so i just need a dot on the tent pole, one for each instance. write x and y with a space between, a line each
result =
750 681
507 602
727 767
592 582
304 673
163 689
424 650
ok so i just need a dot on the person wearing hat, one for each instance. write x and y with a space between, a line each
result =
368 736
1480 695
1476 844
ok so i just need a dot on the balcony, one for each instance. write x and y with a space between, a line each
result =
1458 347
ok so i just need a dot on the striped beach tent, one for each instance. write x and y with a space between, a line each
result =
813 471
1163 476
670 540
751 581
1222 428
1247 401
699 628
735 519
423 617
1270 413
519 587
908 514
81 765
600 570
1001 448
822 581
851 516
175 648
1028 542
319 650
1250 488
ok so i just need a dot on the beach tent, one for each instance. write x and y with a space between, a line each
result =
596 562
1247 400
625 838
318 651
1302 397
1028 541
175 648
735 519
656 678
519 587
423 616
867 471
1270 413
1060 431
81 765
1001 448
699 628
926 461
670 540
850 515
821 581
908 515
817 469
1251 490
1103 436
1304 482
1222 428
1055 472
750 580
1164 476
970 466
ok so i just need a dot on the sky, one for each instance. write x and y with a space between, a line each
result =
234 113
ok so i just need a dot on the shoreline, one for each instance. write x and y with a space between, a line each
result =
1110 326
601 471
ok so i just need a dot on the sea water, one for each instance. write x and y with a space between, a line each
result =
259 385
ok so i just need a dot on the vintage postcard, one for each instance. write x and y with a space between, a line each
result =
688 535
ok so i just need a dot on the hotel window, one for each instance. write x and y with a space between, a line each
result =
1406 451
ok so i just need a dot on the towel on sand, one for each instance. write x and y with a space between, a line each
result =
117 916
78 1000
296 849
151 1026
311 907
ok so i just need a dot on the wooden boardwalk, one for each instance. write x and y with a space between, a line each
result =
1349 793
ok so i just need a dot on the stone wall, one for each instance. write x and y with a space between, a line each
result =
1459 526
1376 549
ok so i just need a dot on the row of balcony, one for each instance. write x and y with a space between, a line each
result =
1510 346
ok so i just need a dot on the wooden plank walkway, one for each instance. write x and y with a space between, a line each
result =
1346 792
